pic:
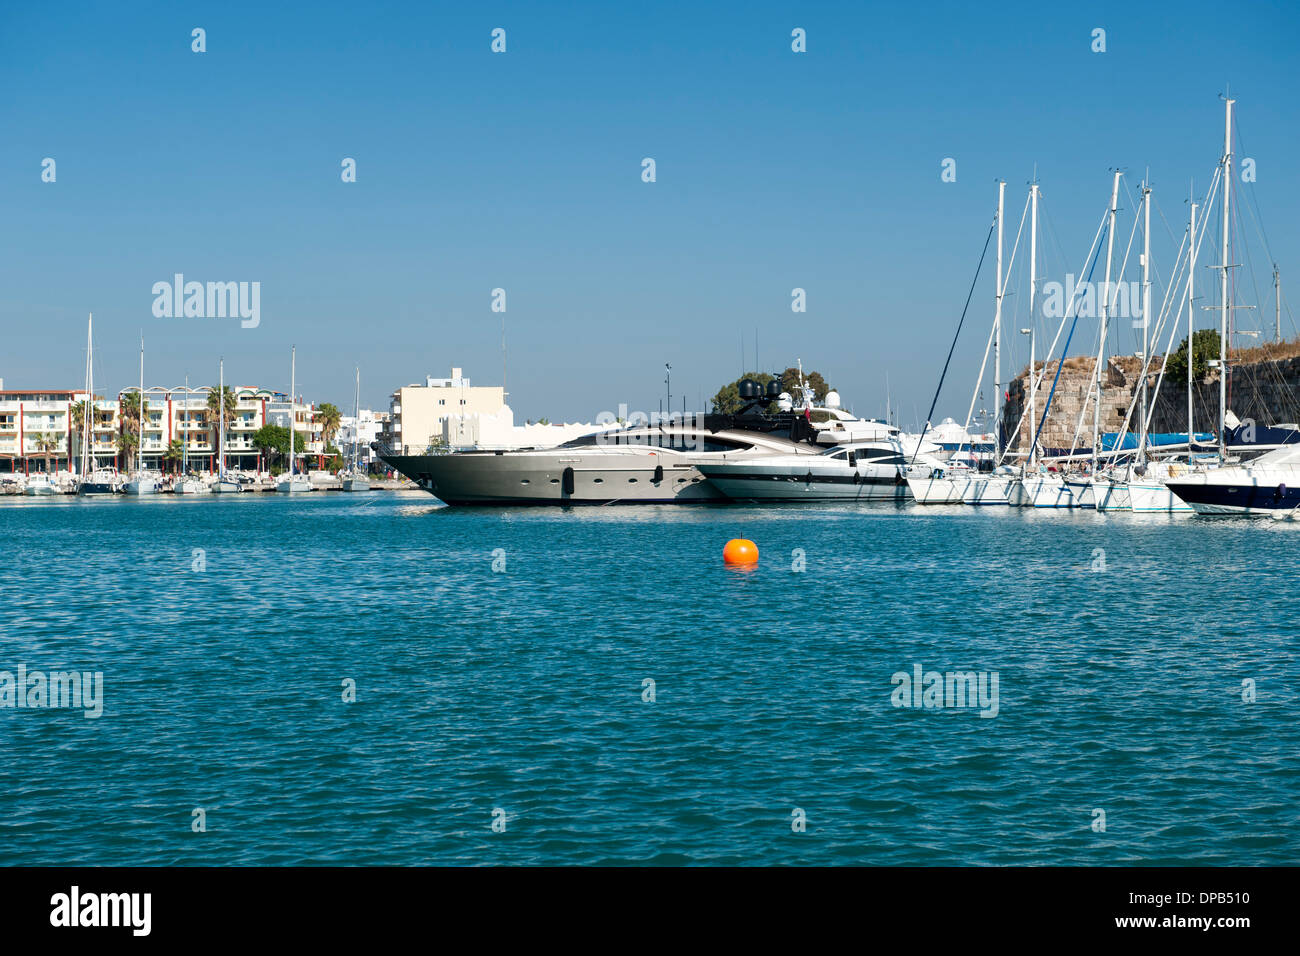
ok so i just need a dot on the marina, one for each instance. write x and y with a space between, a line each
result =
856 439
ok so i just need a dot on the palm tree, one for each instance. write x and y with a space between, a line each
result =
127 443
131 414
175 453
330 419
46 442
227 398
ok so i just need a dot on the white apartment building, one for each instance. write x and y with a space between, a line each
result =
362 428
417 412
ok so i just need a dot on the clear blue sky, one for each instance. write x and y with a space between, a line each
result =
523 171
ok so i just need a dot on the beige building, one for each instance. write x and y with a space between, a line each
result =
418 412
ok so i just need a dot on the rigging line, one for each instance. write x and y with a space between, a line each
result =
1144 370
1060 364
935 401
1103 338
1065 316
1241 145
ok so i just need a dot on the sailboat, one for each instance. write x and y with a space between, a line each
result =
353 478
93 480
140 483
292 483
955 485
225 483
189 484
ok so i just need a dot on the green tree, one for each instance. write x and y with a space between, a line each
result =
1205 346
330 420
727 400
175 453
46 442
127 443
131 414
273 441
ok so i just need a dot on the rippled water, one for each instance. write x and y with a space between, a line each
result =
1120 685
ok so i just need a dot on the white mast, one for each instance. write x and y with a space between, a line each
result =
1223 292
1146 313
356 417
90 402
1033 319
1277 305
1191 272
221 418
997 330
293 384
1105 314
185 432
140 431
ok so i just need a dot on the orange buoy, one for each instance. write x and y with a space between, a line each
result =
740 551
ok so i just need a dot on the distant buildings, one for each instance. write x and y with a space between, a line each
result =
36 425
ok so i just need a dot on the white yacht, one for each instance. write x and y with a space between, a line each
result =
353 478
1268 485
290 483
192 485
41 485
143 483
861 470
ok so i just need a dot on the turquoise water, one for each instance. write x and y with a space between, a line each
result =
1120 685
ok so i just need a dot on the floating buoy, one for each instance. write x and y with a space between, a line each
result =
740 551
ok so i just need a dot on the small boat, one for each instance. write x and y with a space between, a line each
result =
142 484
192 485
40 485
290 483
226 483
355 481
99 482
353 478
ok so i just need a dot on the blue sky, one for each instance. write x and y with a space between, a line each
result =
522 170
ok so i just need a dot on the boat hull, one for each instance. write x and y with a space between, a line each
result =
938 491
1153 497
557 479
759 483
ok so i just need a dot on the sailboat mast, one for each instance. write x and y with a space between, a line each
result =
221 418
1191 273
356 418
293 386
90 400
997 329
1033 320
1223 292
140 431
1105 316
1146 313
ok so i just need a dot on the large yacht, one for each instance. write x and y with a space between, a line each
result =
656 462
868 468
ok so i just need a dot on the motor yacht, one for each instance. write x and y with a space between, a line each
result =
875 469
1270 484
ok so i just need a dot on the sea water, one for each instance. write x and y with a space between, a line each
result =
377 679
